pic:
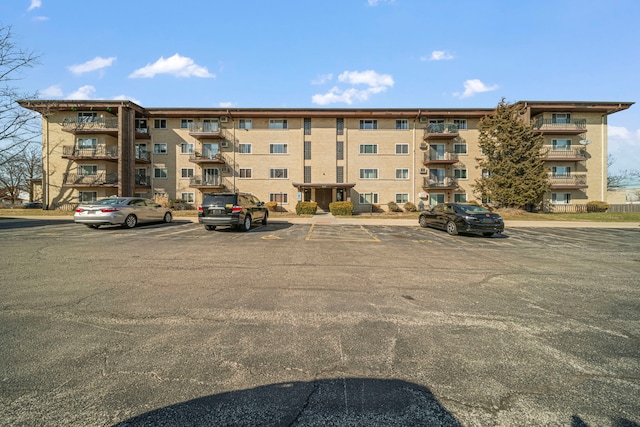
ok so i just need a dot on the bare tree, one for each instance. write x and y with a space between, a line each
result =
31 160
12 177
621 178
18 126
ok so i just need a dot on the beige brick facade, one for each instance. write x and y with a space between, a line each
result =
94 149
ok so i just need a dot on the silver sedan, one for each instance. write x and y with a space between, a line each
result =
125 211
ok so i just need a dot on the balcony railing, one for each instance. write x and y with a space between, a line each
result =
575 154
143 180
99 179
212 130
101 124
435 157
441 130
206 181
205 157
550 125
440 183
98 151
568 181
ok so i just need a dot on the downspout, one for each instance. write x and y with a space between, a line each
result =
604 148
46 174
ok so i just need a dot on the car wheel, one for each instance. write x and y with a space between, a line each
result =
92 225
452 228
209 227
265 218
130 221
487 234
167 217
246 225
423 222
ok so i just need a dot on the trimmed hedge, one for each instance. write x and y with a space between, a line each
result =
341 208
410 207
596 206
306 208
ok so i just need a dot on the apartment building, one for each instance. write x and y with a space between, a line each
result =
93 149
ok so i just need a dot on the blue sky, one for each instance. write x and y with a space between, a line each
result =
337 54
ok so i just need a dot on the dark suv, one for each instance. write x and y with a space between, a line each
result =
231 210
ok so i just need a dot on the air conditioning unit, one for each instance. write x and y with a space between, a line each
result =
224 144
423 145
223 119
423 170
225 169
423 119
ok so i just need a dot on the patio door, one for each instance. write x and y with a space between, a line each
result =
211 176
436 152
209 151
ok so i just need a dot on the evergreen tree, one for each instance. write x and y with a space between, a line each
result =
513 167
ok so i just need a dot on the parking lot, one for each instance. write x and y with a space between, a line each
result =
318 324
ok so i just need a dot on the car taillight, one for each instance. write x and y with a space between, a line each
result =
199 208
108 210
236 209
79 210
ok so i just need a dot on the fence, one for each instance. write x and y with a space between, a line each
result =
584 208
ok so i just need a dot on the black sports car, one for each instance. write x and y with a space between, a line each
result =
462 217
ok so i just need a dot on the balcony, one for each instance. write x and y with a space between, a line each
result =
565 155
142 157
446 183
568 182
101 179
143 181
446 158
198 157
206 182
142 133
100 152
205 130
96 125
441 131
564 127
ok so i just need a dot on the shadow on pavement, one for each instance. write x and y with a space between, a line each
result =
7 223
341 401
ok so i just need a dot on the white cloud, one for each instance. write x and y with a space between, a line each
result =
373 3
474 86
440 55
175 65
83 92
40 18
54 91
624 148
619 132
96 63
35 4
226 104
127 98
377 83
322 79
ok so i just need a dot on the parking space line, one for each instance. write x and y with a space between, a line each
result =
339 234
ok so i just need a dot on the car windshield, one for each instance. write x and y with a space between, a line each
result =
111 201
471 209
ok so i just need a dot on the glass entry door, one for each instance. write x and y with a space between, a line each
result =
211 176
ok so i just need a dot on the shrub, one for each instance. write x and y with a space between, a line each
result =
377 208
596 206
393 207
410 207
341 208
306 208
272 206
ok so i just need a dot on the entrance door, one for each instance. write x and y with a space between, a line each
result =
323 198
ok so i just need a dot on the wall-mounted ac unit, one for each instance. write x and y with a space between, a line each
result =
423 195
223 119
225 169
423 145
224 144
423 120
423 170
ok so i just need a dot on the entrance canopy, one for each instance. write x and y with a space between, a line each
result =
301 186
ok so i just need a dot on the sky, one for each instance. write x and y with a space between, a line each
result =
337 54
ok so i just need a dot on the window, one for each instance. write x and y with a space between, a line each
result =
402 148
368 124
188 197
87 117
460 123
368 148
402 198
460 198
307 174
368 173
339 174
141 125
186 173
87 196
339 126
186 148
561 171
436 198
562 118
278 148
279 197
245 124
87 170
279 173
278 124
460 148
402 124
244 148
159 123
87 143
307 126
561 198
244 173
368 198
460 173
561 144
402 173
339 150
160 148
160 173
141 151
186 123
210 125
307 150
